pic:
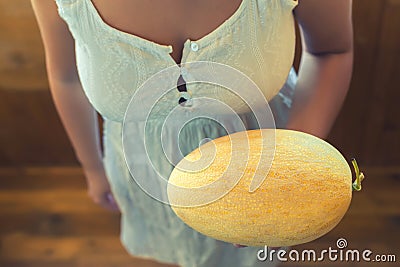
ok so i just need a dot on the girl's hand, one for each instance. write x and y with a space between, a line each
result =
99 188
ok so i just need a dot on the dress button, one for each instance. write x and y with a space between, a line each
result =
185 95
194 46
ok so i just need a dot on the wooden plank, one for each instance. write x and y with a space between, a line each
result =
48 225
63 224
55 201
31 131
42 178
81 251
20 246
351 123
21 53
383 129
366 227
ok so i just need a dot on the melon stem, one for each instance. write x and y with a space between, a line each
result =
359 176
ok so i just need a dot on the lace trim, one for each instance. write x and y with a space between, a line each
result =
217 33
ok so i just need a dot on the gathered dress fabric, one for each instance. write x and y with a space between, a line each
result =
258 40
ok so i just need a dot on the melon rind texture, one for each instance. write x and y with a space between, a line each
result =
305 194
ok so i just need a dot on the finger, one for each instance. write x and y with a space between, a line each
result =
112 202
110 197
106 204
109 206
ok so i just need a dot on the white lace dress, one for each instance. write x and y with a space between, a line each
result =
258 40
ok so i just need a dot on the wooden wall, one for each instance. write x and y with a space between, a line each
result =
368 127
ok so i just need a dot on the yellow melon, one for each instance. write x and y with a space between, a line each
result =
304 193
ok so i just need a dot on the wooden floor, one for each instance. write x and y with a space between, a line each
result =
46 219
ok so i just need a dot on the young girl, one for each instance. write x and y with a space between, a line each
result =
99 52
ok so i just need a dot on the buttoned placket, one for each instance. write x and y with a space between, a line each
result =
185 96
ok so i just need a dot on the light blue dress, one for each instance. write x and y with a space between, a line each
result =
258 40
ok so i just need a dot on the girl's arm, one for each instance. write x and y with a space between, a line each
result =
77 115
326 64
